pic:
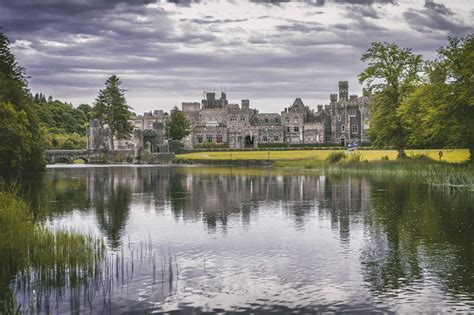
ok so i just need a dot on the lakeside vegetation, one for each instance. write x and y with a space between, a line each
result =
34 257
451 156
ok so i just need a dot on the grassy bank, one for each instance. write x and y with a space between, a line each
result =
419 167
34 257
452 156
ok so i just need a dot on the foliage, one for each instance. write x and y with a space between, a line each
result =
441 112
335 157
59 117
111 108
178 126
392 73
65 141
18 119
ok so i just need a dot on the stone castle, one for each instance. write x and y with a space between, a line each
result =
216 123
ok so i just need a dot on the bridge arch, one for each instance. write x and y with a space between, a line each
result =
80 158
62 159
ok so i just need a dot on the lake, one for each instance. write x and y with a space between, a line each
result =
215 239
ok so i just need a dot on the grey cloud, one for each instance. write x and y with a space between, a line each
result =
438 7
302 27
210 20
366 2
428 20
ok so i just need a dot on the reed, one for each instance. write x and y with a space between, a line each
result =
418 168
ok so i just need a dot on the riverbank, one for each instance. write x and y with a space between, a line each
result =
451 155
451 171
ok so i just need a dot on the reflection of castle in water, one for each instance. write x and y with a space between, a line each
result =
217 195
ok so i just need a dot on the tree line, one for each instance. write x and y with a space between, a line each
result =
421 103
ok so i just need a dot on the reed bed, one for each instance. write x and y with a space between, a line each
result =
416 167
41 270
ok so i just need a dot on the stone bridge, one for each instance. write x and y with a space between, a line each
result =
116 156
69 156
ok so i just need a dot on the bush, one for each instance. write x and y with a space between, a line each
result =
420 157
354 157
335 157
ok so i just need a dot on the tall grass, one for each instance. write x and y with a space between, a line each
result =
417 167
33 256
40 268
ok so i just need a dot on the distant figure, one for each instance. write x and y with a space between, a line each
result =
440 155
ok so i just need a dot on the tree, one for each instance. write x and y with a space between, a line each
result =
111 108
178 126
457 115
441 113
392 73
19 122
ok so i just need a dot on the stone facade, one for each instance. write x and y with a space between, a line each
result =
217 123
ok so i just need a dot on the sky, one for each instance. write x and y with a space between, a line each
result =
171 51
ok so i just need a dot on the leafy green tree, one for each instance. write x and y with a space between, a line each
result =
392 73
111 108
19 120
15 135
178 126
441 113
86 109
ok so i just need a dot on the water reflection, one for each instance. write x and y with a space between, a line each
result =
298 241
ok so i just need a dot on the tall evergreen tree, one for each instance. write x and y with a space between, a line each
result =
392 73
111 108
16 108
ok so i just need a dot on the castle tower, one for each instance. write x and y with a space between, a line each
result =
343 90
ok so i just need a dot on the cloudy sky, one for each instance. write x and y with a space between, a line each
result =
171 51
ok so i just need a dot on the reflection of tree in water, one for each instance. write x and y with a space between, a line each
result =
111 196
412 229
177 195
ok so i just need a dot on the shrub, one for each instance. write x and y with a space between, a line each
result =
335 157
354 157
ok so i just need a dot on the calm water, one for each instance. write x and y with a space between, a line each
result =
235 239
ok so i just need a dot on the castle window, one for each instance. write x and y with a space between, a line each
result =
355 129
296 120
266 120
288 129
338 117
297 129
233 119
199 138
343 128
276 120
276 138
219 138
242 118
209 138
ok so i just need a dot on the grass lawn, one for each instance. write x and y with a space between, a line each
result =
453 155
